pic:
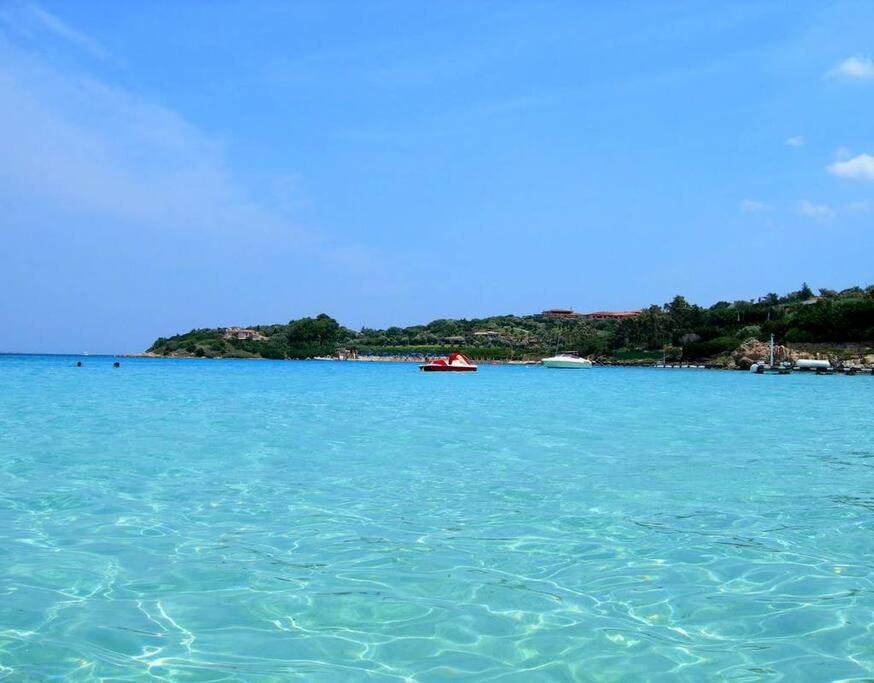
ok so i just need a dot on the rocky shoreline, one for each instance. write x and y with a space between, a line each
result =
838 355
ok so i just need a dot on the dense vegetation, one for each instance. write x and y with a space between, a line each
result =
678 329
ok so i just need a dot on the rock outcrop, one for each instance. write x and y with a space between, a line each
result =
753 350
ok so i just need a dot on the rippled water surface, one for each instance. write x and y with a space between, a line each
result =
237 521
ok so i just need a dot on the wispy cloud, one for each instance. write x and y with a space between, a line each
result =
795 141
62 30
754 206
807 208
84 145
858 207
860 167
818 212
76 146
79 151
855 68
28 19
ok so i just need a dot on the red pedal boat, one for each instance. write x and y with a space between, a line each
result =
457 362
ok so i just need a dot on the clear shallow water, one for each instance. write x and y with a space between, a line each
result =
236 521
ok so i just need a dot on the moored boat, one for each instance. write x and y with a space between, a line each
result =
567 360
812 364
457 362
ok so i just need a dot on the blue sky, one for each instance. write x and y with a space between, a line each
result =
170 165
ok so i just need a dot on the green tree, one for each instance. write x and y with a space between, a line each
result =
310 337
684 317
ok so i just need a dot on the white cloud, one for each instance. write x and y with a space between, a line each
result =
860 167
795 141
858 68
818 212
754 206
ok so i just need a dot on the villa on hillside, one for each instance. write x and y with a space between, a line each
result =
597 315
561 313
243 333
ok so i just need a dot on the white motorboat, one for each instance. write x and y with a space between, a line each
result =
567 360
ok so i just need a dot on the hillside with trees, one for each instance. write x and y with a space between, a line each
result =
677 330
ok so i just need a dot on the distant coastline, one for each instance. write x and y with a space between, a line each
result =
835 325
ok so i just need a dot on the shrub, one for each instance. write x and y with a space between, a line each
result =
713 347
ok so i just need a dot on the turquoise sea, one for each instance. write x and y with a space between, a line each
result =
266 521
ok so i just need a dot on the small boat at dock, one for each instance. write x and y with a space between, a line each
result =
812 364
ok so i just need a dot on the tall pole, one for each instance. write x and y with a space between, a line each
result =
772 350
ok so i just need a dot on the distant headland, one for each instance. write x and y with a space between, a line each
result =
834 324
